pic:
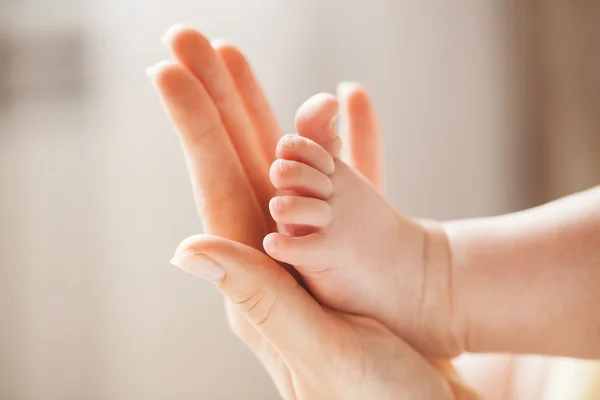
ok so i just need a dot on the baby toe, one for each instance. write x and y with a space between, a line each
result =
297 210
302 179
297 148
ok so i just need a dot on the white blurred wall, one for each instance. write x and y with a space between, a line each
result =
92 209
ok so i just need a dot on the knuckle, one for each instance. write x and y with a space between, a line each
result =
199 138
256 303
213 202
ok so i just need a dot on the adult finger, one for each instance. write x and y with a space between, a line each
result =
288 317
258 109
223 195
359 128
225 200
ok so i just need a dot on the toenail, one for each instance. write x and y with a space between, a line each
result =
288 142
283 166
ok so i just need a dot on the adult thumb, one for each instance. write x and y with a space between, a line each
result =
269 297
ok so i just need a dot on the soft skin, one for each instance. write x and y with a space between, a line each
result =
493 284
356 253
215 103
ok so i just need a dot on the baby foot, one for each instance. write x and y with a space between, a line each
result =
355 252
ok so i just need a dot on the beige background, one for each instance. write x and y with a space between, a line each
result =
95 198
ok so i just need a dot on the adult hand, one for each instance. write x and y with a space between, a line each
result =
313 352
218 109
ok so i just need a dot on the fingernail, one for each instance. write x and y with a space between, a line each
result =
172 31
283 166
153 70
200 265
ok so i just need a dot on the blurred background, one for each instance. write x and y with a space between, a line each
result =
486 107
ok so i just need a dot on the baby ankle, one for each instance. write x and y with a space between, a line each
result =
440 314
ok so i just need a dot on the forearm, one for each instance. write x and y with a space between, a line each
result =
530 281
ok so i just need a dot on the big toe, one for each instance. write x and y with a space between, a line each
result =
316 119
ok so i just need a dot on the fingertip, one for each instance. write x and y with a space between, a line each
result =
228 49
355 97
154 70
344 88
198 242
162 71
190 47
175 31
234 59
359 102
